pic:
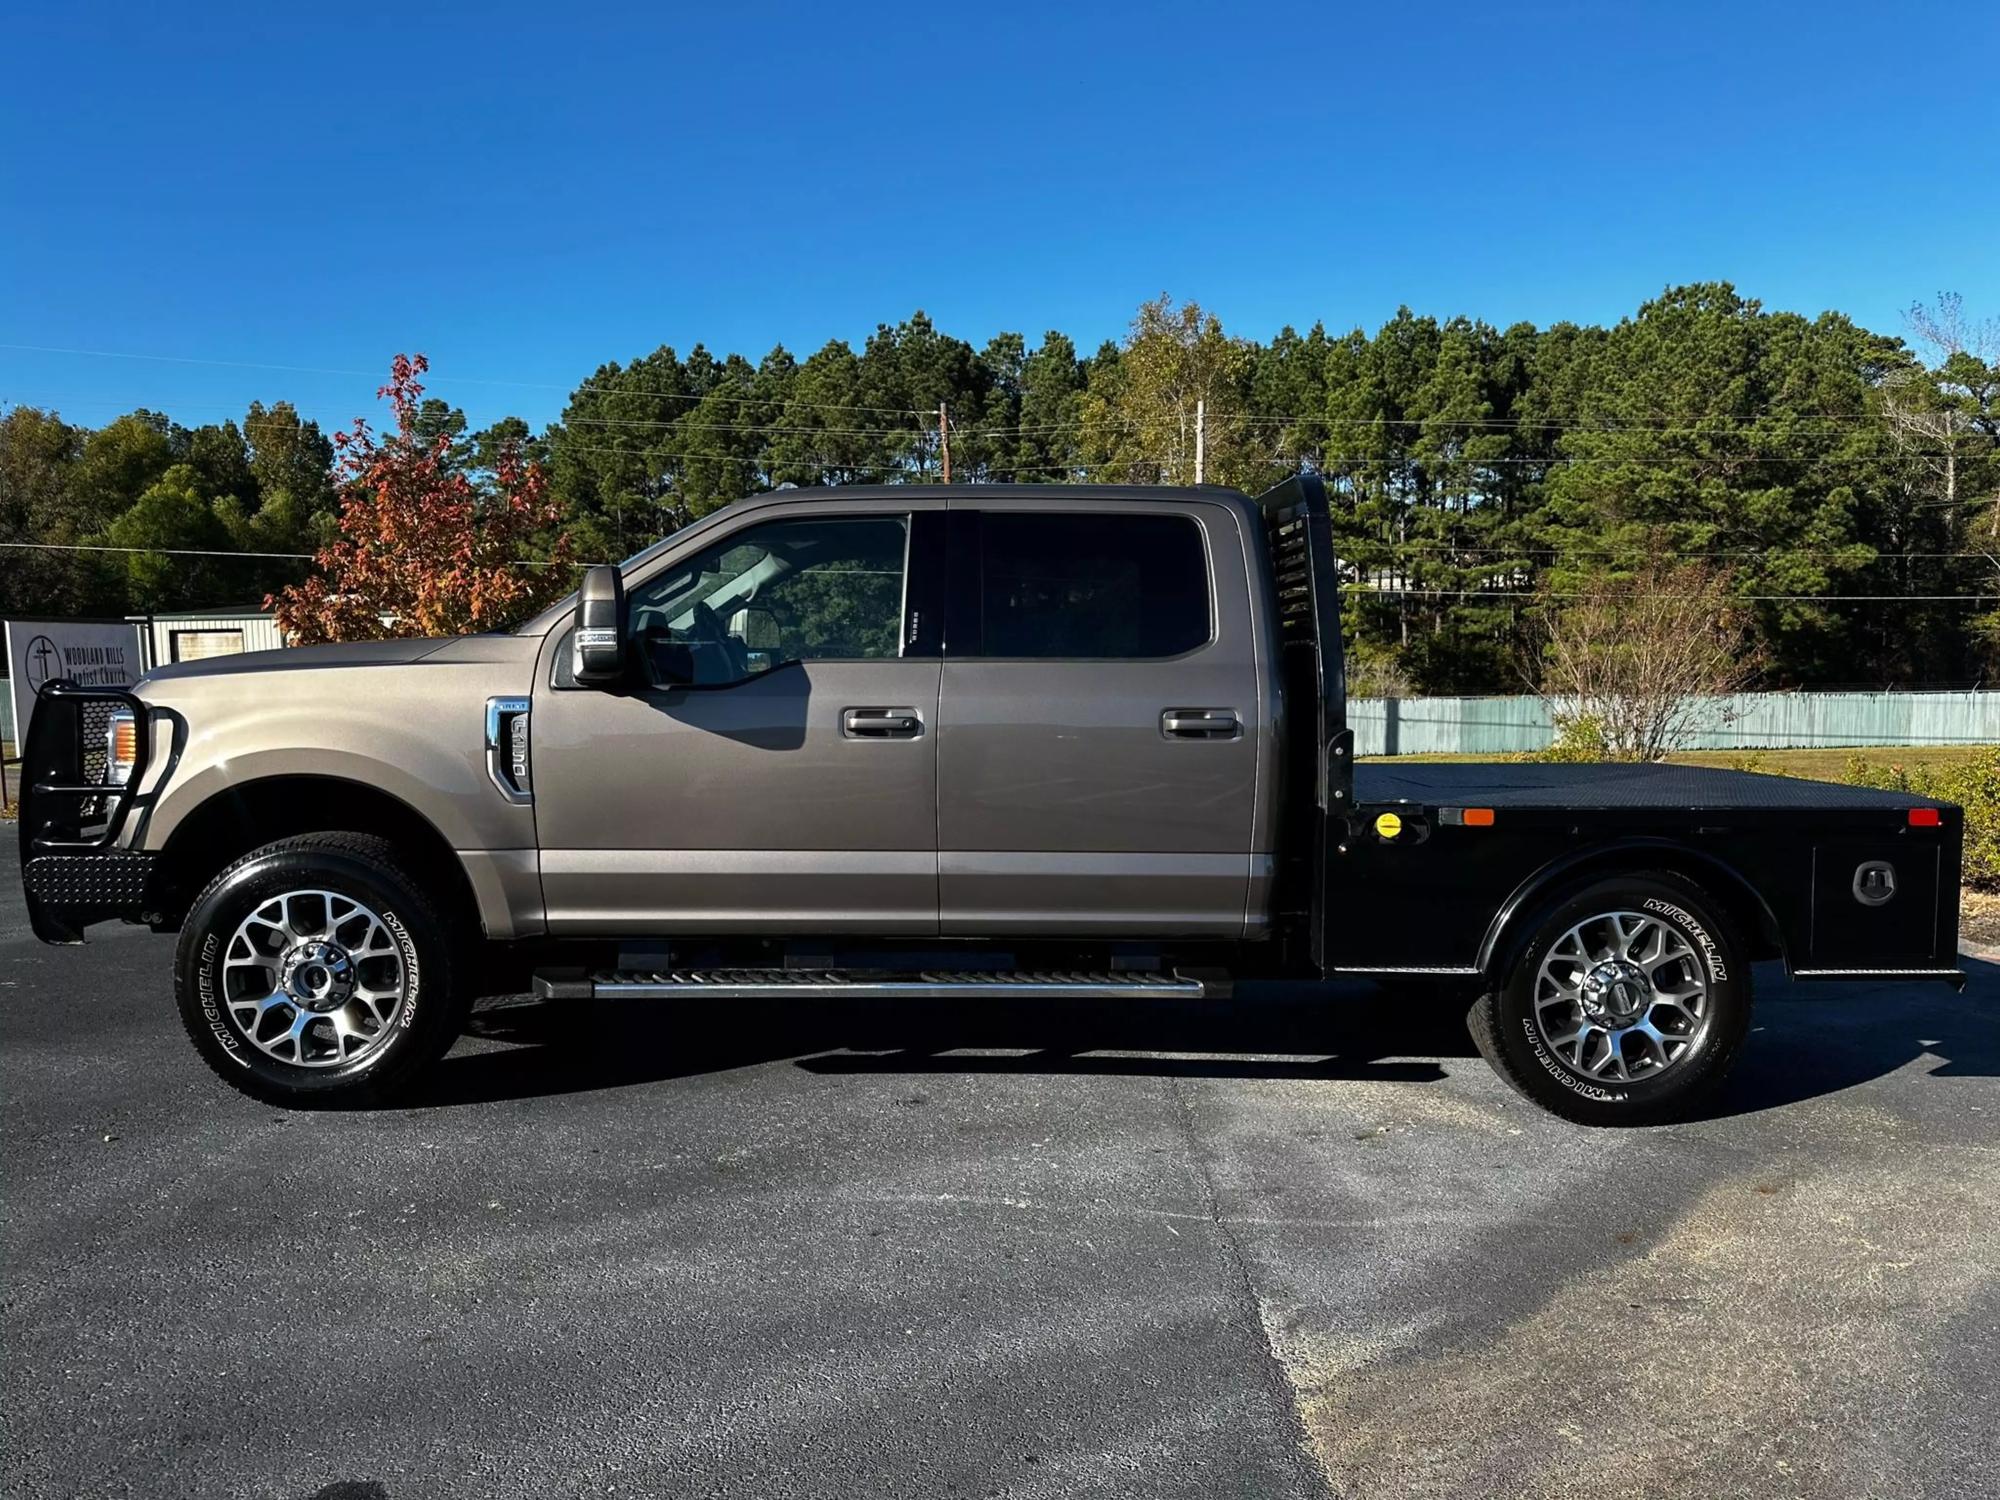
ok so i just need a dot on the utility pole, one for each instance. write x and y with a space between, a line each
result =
1200 439
944 440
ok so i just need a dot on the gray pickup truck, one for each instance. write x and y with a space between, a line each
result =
1086 743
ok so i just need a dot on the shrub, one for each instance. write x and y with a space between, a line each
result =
1644 656
1580 739
1974 784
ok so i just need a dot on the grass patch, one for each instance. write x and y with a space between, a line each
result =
1832 765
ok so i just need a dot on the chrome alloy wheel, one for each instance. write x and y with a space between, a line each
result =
1622 995
314 978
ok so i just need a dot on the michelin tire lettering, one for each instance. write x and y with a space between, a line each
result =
211 1012
412 977
1717 969
1563 1076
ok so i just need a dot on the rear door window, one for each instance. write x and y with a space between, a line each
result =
1091 585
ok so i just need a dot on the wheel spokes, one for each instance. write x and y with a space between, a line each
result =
1588 1010
313 978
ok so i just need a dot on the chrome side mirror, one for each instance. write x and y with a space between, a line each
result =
597 648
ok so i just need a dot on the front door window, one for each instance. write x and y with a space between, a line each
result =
797 590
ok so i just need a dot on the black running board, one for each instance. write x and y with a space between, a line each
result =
861 984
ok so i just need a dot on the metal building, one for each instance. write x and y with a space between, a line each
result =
167 638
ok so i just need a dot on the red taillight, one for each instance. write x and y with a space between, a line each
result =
1924 817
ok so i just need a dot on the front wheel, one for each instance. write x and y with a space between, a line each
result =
1627 1005
314 971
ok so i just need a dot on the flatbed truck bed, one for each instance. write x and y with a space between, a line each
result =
1619 786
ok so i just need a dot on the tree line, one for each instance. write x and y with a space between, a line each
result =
1843 484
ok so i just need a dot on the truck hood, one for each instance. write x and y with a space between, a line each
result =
303 659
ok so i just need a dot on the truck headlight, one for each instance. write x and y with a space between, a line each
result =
121 747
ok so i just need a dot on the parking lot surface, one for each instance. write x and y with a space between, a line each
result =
1297 1247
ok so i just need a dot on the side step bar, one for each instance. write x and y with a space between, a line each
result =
862 984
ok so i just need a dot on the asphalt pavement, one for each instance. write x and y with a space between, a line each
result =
1304 1245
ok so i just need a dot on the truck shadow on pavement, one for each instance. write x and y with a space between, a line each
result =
559 1047
1806 1040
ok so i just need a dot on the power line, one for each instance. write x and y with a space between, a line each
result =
844 461
163 551
518 562
920 430
921 418
1705 427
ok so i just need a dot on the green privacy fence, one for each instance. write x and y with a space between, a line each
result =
1745 721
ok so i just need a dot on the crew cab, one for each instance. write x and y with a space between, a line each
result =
948 742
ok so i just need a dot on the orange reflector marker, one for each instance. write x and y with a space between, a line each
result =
1924 817
1479 817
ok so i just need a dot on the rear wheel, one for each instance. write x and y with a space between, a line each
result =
1627 1005
315 971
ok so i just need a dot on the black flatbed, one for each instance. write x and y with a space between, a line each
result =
1623 787
1430 893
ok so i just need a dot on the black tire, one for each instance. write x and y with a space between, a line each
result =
361 868
1504 1026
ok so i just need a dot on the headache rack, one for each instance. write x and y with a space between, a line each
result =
1306 578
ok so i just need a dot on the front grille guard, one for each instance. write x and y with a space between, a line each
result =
67 800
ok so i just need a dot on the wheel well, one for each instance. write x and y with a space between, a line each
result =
235 821
1748 915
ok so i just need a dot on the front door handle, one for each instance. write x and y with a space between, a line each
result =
1200 724
881 723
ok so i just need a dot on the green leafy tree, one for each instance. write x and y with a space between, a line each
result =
508 436
290 456
906 371
40 514
220 459
174 516
1047 448
824 434
119 463
610 458
1139 419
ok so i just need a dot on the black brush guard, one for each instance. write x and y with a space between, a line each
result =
72 870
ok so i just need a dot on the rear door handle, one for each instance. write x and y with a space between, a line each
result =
1200 724
881 723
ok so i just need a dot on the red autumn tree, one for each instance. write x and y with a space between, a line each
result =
423 550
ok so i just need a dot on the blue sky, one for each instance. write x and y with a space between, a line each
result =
523 192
